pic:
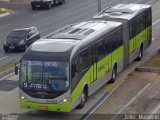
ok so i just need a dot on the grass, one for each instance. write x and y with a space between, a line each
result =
3 10
154 62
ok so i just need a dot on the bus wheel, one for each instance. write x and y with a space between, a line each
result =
114 75
140 54
83 99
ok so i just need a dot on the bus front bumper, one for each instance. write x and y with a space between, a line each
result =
65 107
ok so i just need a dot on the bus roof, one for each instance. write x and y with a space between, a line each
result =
56 45
74 37
64 40
122 11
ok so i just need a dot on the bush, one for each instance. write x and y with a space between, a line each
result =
3 10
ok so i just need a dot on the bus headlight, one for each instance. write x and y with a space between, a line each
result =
22 97
65 100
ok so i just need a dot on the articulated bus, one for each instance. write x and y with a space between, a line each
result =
137 27
59 72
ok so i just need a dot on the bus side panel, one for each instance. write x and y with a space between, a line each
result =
76 93
117 57
102 67
136 42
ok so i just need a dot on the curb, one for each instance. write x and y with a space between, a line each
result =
146 69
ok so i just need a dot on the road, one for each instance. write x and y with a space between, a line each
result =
100 102
139 93
47 21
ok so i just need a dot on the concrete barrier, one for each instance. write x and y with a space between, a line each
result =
146 69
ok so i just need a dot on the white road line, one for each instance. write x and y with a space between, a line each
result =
3 58
133 99
8 93
100 103
156 12
156 22
4 26
36 14
156 109
7 76
153 39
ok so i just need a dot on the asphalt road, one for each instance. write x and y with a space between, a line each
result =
48 21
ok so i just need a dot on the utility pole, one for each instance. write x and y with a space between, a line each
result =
99 5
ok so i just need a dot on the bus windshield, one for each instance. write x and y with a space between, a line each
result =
44 75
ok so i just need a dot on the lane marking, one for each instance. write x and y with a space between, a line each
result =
4 26
156 12
133 99
108 93
7 76
8 93
3 58
156 22
156 109
36 14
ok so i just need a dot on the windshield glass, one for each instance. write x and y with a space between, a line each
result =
47 76
18 34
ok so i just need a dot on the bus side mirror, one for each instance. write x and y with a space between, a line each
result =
16 70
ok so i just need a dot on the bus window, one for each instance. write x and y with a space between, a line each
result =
84 60
100 50
119 37
106 46
112 41
75 67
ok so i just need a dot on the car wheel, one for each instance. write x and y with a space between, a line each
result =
62 2
49 6
33 7
6 50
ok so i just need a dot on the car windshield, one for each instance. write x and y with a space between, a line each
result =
18 34
47 76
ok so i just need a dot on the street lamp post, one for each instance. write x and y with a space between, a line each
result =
99 5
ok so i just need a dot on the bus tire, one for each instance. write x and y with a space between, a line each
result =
83 98
140 54
114 75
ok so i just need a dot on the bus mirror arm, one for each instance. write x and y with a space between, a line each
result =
16 69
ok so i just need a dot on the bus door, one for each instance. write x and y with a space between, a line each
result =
93 71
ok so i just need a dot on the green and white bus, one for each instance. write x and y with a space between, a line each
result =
137 27
59 72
